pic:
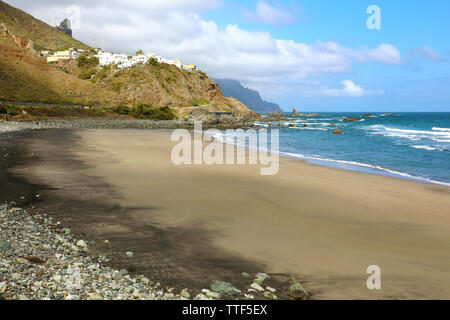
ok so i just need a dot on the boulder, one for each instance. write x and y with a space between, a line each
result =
368 115
225 288
351 119
337 131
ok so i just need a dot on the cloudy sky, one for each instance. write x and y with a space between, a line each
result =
312 54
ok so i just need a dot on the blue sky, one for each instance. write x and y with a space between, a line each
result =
417 84
316 55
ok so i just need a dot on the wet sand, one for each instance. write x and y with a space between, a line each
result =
193 224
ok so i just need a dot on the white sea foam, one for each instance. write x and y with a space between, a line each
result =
440 135
441 140
425 147
418 132
441 129
364 165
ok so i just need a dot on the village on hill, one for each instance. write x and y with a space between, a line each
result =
120 60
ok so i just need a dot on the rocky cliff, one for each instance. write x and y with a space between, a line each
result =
65 27
249 97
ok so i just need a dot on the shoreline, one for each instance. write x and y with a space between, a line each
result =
347 165
320 182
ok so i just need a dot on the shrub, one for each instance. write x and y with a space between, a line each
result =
153 62
9 110
87 74
122 110
86 63
199 102
102 74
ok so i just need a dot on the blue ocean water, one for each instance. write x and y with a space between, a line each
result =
408 145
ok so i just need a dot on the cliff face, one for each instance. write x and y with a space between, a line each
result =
65 27
249 97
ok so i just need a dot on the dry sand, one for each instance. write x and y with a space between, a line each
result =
322 224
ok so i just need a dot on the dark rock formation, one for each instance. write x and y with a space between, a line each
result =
65 27
350 119
337 131
249 97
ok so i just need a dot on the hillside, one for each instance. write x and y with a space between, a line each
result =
27 77
249 97
43 36
161 85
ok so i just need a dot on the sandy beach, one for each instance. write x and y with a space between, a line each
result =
323 225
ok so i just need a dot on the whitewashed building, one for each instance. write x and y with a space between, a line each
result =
124 61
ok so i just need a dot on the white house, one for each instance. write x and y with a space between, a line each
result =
124 61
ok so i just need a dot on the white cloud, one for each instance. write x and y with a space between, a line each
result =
348 89
426 52
265 13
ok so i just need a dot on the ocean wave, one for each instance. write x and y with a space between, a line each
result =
441 140
365 165
425 148
440 129
418 132
441 135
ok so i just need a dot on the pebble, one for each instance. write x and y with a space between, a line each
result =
213 295
185 293
260 277
129 254
57 270
81 244
257 287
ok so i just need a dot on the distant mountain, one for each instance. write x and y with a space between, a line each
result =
251 98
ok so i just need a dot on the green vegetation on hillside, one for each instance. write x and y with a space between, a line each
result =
9 110
44 37
143 111
88 67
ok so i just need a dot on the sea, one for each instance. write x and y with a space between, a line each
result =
413 146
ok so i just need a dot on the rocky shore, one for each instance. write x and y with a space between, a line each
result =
225 123
42 260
